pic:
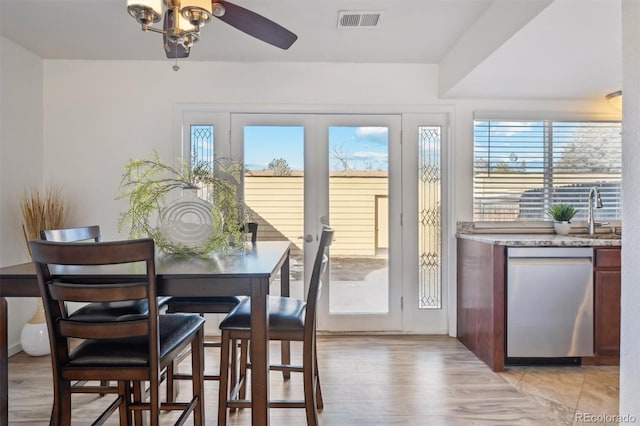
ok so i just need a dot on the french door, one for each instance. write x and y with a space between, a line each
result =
304 171
383 197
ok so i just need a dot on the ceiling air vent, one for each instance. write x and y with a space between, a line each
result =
359 19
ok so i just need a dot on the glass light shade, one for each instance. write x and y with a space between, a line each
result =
184 24
197 11
155 5
202 4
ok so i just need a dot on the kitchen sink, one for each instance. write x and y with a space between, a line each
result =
597 236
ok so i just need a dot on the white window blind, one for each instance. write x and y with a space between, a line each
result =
521 168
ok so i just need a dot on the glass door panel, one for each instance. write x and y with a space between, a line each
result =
304 171
274 182
358 207
364 194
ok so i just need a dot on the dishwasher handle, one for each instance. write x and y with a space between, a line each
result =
550 252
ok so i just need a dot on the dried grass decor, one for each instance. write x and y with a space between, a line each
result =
42 210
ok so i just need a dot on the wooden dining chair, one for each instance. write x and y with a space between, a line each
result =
101 310
202 306
92 233
290 319
131 349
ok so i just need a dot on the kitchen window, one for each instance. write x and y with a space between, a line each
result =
522 167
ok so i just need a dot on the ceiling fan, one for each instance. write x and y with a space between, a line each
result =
183 19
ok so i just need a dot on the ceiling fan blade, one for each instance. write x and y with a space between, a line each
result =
256 25
173 50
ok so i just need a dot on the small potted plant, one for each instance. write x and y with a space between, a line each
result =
562 215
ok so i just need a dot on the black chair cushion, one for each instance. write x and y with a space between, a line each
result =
285 314
113 311
205 305
134 351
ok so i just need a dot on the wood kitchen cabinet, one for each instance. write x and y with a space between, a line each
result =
607 279
481 302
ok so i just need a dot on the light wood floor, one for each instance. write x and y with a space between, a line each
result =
380 380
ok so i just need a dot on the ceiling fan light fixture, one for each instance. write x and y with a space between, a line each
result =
182 19
184 26
146 12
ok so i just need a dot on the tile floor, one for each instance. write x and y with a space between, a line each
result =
572 393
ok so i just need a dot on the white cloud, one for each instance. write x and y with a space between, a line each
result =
372 131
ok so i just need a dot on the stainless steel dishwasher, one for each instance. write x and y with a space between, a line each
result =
549 302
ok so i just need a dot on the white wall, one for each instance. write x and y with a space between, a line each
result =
100 114
630 337
21 78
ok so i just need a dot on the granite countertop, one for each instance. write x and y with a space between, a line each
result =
544 240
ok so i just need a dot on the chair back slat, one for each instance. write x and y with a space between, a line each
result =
103 253
113 330
84 233
109 292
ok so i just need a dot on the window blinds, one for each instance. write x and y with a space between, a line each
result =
521 168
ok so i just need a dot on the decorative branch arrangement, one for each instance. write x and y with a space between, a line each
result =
42 210
147 183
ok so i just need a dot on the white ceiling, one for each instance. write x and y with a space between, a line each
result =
538 49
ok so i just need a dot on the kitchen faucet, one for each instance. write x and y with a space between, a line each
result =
594 201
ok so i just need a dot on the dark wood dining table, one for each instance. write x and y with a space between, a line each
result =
218 275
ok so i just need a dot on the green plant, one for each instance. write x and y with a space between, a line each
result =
147 182
562 212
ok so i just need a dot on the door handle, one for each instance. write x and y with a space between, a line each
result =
308 238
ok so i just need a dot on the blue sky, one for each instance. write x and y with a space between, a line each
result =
265 143
363 148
